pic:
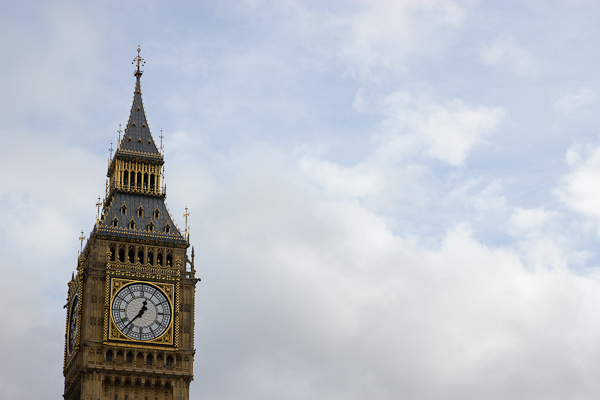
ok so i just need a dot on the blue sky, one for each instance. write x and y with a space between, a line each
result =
388 199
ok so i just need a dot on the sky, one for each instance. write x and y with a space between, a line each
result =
387 199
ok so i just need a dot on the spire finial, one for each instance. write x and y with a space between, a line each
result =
186 215
98 205
161 138
140 62
81 239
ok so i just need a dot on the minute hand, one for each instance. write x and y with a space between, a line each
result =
139 315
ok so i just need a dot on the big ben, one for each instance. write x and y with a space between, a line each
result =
130 305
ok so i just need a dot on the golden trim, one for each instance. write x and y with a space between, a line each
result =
176 313
168 290
69 316
79 311
75 291
139 345
137 267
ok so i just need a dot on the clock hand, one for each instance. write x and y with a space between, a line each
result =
144 308
134 318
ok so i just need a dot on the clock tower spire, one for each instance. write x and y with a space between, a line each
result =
130 306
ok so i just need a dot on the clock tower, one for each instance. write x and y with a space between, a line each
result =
130 306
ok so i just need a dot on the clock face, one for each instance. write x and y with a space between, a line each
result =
141 311
73 325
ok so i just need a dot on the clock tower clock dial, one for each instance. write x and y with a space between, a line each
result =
72 337
130 303
141 311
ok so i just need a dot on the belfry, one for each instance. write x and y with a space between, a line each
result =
130 305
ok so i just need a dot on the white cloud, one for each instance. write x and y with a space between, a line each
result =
528 221
358 181
485 198
507 55
412 133
367 313
447 132
580 188
541 245
569 103
382 36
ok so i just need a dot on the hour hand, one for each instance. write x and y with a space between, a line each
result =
144 308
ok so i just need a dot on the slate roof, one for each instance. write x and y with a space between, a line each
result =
137 138
133 202
141 146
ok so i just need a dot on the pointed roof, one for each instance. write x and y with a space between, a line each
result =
153 223
137 140
137 135
138 213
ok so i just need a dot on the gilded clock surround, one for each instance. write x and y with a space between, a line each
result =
72 327
114 333
134 240
75 291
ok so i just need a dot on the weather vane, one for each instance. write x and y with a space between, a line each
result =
139 60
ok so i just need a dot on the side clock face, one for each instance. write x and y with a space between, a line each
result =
73 325
141 311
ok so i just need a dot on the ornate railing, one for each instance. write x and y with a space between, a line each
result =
150 190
